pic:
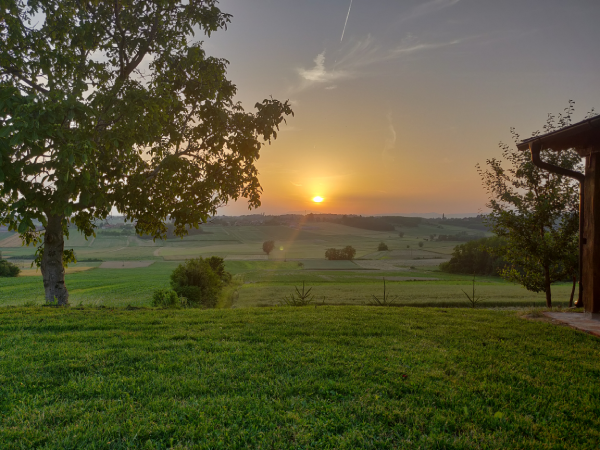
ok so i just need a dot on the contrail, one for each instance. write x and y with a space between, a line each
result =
344 30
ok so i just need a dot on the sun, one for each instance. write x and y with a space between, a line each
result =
317 199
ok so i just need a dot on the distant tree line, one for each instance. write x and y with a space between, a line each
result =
476 257
345 253
171 232
480 223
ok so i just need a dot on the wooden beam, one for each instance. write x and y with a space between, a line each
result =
591 237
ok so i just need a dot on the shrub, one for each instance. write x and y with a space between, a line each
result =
421 244
8 269
197 282
165 298
382 247
299 298
347 252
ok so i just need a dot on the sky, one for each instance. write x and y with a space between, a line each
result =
394 117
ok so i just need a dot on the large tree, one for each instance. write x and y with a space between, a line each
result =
536 212
114 105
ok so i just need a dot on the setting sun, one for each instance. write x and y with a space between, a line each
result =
317 199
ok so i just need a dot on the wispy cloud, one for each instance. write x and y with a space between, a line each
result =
407 49
429 7
359 55
319 74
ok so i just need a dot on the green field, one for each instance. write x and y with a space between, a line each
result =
411 273
297 378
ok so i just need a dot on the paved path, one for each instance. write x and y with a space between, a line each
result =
578 321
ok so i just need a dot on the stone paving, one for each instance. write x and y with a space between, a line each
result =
578 321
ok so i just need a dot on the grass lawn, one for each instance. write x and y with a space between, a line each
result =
327 377
265 283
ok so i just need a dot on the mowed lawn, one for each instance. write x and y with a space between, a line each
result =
326 377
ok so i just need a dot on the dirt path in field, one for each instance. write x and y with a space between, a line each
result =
379 265
405 278
157 251
92 241
125 264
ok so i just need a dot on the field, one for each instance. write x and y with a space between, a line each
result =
114 277
326 377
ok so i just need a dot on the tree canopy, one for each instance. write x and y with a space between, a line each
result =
114 105
536 212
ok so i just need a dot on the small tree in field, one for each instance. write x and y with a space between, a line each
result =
114 105
268 247
536 212
382 247
401 234
421 244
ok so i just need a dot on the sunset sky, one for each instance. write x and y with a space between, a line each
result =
394 117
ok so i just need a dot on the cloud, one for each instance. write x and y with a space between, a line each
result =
390 142
358 55
319 74
404 49
429 7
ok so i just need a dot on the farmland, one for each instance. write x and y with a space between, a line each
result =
109 274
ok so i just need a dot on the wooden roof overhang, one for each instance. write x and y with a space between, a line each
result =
583 137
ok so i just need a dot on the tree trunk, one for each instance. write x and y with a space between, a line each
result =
573 291
547 286
53 270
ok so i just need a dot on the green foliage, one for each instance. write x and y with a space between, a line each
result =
382 247
82 130
385 300
347 253
8 269
477 257
165 298
401 234
421 244
268 247
299 298
197 282
217 264
536 212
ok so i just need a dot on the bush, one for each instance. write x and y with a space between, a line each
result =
421 244
347 252
165 298
197 282
382 247
8 269
217 264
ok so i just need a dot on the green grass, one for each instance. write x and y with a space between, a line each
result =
108 287
298 378
265 283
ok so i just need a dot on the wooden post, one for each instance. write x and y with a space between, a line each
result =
591 237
